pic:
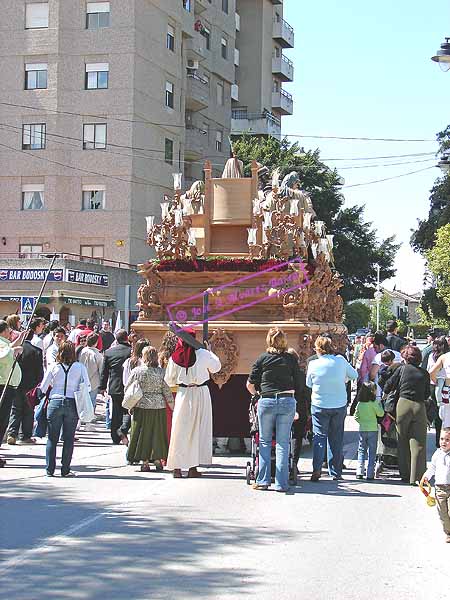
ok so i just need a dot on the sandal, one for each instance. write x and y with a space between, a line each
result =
259 486
177 474
2 462
145 468
158 465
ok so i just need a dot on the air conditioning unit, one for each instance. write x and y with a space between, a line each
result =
192 64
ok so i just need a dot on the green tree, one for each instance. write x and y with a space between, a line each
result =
357 249
386 313
356 315
439 263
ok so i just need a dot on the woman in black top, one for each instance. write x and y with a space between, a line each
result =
413 383
278 378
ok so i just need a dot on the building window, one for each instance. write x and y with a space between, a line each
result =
94 136
33 197
93 198
169 94
92 253
207 35
224 48
97 75
225 6
36 15
33 136
168 151
219 139
219 88
36 76
97 15
170 39
30 250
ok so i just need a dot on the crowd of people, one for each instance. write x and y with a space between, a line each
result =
158 402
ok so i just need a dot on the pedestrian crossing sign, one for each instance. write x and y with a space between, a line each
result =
27 304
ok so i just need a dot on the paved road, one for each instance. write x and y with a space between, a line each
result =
116 532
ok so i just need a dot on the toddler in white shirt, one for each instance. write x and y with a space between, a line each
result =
440 470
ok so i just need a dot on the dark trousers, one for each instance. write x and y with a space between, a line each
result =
5 409
61 414
120 419
21 415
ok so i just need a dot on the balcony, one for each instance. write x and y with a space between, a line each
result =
283 68
197 92
200 6
282 102
195 48
264 123
238 21
283 33
235 92
196 143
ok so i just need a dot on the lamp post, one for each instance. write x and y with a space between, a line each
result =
442 56
378 295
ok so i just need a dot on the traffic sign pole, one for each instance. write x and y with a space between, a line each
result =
44 283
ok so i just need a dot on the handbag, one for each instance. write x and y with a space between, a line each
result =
133 394
83 402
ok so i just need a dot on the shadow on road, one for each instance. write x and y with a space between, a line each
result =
137 550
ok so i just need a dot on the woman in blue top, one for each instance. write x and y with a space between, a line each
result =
327 377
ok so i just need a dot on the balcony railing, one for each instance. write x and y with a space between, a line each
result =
265 123
65 255
283 33
283 102
197 94
283 68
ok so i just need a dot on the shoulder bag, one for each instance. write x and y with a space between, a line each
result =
133 394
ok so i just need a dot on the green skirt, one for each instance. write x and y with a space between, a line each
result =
148 435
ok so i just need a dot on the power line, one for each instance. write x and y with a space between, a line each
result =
382 157
75 114
388 178
201 161
409 162
147 122
364 139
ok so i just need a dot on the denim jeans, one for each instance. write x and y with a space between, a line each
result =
107 413
275 414
93 395
61 413
328 423
368 441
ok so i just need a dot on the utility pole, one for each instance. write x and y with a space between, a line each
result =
378 295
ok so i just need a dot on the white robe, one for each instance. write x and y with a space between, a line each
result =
191 438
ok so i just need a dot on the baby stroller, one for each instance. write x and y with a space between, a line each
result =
252 467
387 449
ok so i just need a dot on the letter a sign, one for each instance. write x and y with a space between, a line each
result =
27 305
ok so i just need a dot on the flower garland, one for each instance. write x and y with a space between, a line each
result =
220 263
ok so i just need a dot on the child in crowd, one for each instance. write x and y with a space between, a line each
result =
367 411
440 470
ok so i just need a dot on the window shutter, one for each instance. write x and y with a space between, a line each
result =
94 67
36 15
36 67
97 7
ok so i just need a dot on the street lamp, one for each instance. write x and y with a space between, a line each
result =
378 295
442 56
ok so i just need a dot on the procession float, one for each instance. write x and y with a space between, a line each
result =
234 256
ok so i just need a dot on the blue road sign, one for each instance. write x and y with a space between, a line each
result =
27 304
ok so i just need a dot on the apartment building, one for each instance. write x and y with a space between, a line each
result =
260 100
102 101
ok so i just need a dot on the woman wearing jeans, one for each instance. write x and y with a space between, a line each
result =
327 377
279 380
65 378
